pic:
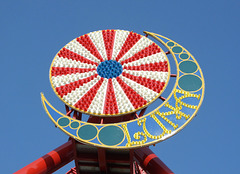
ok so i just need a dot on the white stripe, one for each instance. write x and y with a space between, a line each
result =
98 102
120 38
123 103
97 39
144 92
159 57
153 75
66 79
140 45
69 63
74 96
76 47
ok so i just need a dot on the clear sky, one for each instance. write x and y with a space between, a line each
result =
32 32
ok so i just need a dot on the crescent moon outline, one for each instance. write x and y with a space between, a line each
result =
134 126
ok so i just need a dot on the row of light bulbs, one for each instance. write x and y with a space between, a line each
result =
159 57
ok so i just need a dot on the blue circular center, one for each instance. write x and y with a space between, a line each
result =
109 69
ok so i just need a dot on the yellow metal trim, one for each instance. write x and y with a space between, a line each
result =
138 144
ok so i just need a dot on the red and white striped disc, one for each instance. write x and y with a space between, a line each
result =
109 72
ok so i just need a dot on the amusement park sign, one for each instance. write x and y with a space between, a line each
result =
113 74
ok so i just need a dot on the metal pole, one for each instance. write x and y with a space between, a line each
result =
50 162
150 162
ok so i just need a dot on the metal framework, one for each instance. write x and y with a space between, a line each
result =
113 76
89 159
93 160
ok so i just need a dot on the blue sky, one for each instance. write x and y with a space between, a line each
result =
32 32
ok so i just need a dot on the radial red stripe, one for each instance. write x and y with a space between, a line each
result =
148 51
157 66
66 53
86 41
131 40
65 89
108 37
87 99
110 106
58 71
154 85
132 95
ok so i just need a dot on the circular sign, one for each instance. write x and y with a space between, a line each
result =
119 77
109 73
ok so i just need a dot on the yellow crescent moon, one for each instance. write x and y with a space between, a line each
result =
166 120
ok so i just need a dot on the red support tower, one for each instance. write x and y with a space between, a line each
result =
95 160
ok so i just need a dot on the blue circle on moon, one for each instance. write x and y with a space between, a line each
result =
170 44
177 49
188 67
109 69
74 124
63 121
190 83
111 135
184 56
87 132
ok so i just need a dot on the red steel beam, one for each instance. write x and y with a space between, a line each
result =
102 159
150 162
168 52
162 98
131 154
72 171
50 162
